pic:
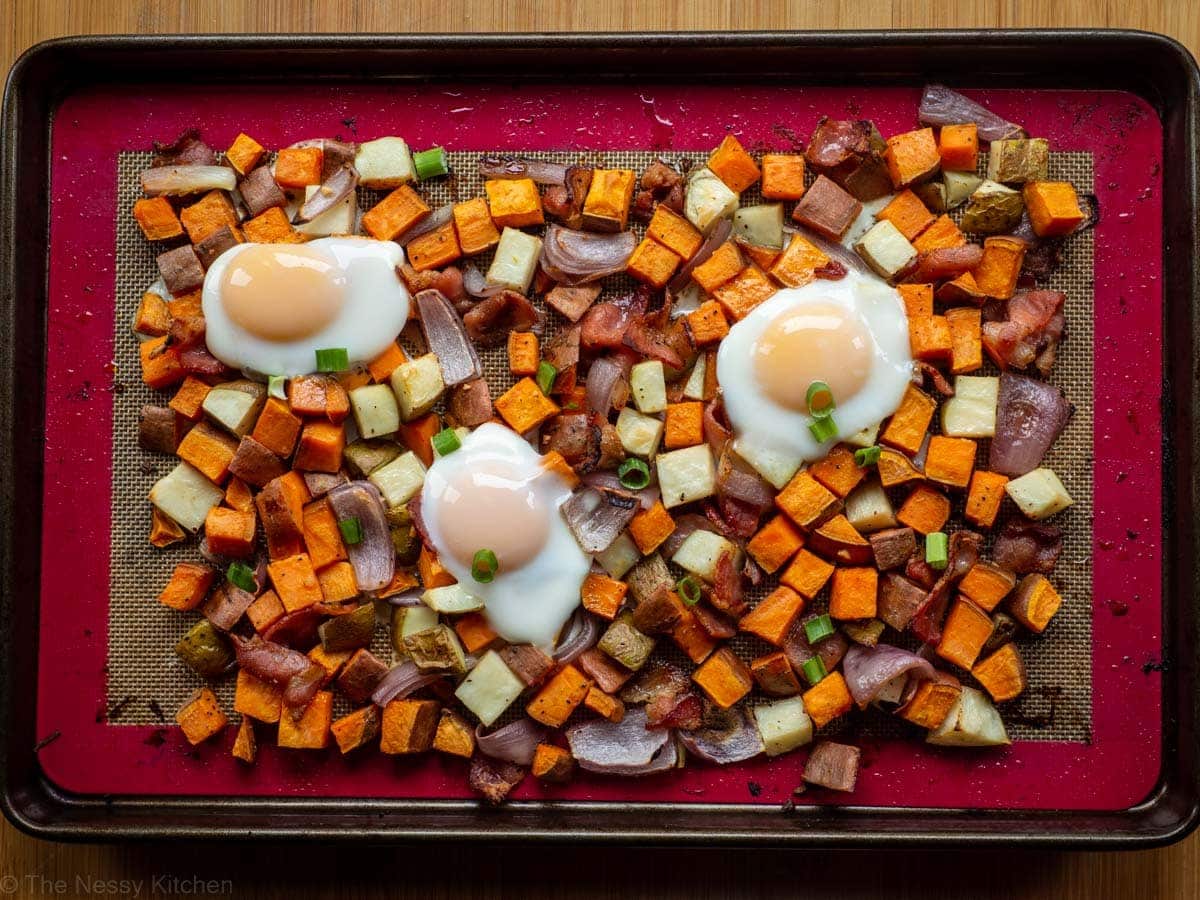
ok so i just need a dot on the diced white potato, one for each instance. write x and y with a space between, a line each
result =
418 385
515 261
708 199
868 437
1039 494
400 480
235 406
185 495
384 163
693 389
784 725
639 434
436 648
648 386
688 300
490 688
960 186
375 410
415 618
451 599
686 475
339 219
760 225
621 556
462 435
868 508
699 553
893 691
973 722
971 412
777 466
886 250
865 220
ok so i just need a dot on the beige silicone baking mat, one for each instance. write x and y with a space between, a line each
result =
145 677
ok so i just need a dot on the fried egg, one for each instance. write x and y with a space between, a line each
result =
851 334
493 493
269 307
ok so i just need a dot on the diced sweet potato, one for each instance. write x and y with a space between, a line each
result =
950 461
530 664
707 324
683 426
321 534
918 299
161 367
925 510
724 678
944 232
320 448
311 730
265 611
435 249
651 527
281 509
1053 207
230 532
330 661
674 232
209 450
775 544
408 726
523 353
931 703
966 339
807 574
912 157
433 573
295 581
841 542
907 427
929 337
298 167
782 176
652 263
514 203
1035 602
524 406
188 585
997 273
164 531
477 232
454 735
798 263
357 729
556 701
958 146
854 593
474 632
1002 674
156 217
394 214
746 291
987 584
382 366
774 675
984 497
733 165
907 213
271 226
337 582
189 399
828 699
838 471
892 547
806 501
606 207
604 705
964 633
724 265
210 213
772 618
244 153
896 469
201 717
551 763
245 745
256 698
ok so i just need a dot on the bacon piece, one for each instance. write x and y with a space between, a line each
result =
198 361
963 554
646 336
185 150
1024 546
470 403
1030 330
604 325
489 321
728 592
934 374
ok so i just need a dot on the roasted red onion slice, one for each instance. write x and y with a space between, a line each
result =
400 681
942 106
728 736
737 481
1030 415
540 170
475 284
407 599
583 630
374 557
717 432
296 673
447 337
333 190
514 743
431 222
619 748
577 257
176 181
868 669
715 239
607 479
597 516
607 382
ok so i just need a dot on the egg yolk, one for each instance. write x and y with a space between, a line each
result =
492 507
815 342
282 293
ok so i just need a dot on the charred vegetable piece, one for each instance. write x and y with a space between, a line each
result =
205 650
349 631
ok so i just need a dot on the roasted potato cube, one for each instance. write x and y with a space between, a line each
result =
1020 160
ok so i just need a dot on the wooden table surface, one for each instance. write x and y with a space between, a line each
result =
30 868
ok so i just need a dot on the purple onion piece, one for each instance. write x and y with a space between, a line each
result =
408 599
447 338
942 106
610 480
475 284
583 630
728 736
715 239
1030 415
177 181
510 167
374 557
514 743
619 748
431 222
401 681
597 516
577 257
333 190
868 669
605 379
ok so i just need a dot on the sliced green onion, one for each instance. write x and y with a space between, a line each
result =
351 529
823 428
634 474
937 549
242 576
431 163
333 359
484 566
446 441
814 670
689 590
819 399
867 456
819 628
545 376
277 387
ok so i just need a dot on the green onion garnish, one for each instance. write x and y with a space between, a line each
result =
351 529
277 387
446 442
484 566
689 590
819 628
814 670
241 576
545 376
867 456
333 359
431 163
823 428
937 549
634 474
819 399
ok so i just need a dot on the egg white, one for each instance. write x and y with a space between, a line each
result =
375 310
763 428
530 604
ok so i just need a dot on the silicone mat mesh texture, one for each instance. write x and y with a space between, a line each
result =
142 665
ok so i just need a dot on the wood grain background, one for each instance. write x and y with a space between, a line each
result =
30 868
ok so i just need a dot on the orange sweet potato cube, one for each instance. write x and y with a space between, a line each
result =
909 423
556 701
800 259
775 543
912 157
950 461
245 745
987 584
239 496
604 705
907 213
164 531
551 763
524 406
210 213
964 633
382 366
153 317
277 428
188 585
514 202
321 446
185 305
838 471
896 469
958 146
931 703
652 263
827 699
295 581
271 227
201 717
311 730
806 500
477 232
925 510
772 618
357 729
651 527
997 273
394 214
918 299
942 233
230 532
209 450
408 726
854 593
256 698
688 634
321 534
474 632
683 426
966 339
1002 674
707 324
454 735
265 611
774 675
984 498
435 249
433 573
161 367
603 596
337 582
524 356
782 176
189 399
556 463
156 217
1053 207
929 337
763 257
724 265
298 167
331 662
748 289
244 153
807 574
733 165
1035 602
606 206
674 232
280 509
724 678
